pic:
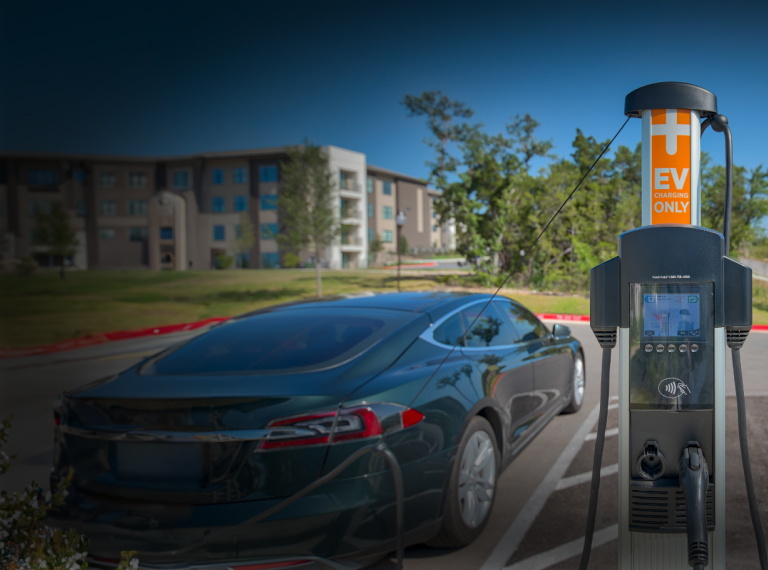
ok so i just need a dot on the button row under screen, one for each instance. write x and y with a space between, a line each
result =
682 348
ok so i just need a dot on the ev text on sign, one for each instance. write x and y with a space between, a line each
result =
670 166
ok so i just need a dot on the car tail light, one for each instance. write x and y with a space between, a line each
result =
359 422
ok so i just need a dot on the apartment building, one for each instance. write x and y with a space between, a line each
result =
186 212
390 193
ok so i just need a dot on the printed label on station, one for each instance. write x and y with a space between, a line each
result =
670 166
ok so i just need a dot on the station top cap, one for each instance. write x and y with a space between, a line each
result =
670 95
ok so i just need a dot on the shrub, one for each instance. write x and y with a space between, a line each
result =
26 543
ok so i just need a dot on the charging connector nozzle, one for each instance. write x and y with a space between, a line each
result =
694 479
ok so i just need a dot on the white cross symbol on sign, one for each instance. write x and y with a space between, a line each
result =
671 130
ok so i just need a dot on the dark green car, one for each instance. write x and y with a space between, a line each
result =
226 452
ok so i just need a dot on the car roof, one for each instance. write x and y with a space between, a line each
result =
433 303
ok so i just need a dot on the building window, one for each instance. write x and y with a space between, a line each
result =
386 186
386 236
268 231
137 207
217 176
369 185
108 208
387 212
181 179
166 232
434 228
268 173
78 175
137 180
138 233
269 202
241 203
41 177
218 204
240 175
106 233
107 179
371 234
370 210
219 233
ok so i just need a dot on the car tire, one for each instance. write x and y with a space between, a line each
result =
578 386
471 488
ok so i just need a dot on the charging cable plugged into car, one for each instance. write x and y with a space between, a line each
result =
328 428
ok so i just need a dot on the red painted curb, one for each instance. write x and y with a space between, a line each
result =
106 337
166 329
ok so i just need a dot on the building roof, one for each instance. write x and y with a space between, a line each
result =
397 175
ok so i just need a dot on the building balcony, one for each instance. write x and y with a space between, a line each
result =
352 189
351 216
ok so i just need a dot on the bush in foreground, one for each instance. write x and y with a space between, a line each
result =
26 543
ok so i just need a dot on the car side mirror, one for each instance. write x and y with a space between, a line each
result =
560 331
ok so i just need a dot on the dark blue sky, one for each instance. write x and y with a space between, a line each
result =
167 77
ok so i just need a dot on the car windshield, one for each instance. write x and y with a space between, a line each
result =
277 341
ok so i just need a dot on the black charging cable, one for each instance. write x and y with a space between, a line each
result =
738 380
720 125
379 448
597 461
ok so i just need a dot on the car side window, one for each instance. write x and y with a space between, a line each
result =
526 324
484 326
451 332
488 328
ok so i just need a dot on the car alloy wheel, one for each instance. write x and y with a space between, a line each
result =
578 385
472 486
477 479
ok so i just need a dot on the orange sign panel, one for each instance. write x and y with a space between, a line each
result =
670 166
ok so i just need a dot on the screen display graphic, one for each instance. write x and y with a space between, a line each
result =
672 315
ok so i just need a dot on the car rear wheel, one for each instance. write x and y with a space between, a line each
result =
578 385
471 488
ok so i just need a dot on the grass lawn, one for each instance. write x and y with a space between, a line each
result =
43 309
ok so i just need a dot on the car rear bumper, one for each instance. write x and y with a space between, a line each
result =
349 519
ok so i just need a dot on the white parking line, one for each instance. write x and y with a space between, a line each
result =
509 543
608 433
565 551
586 477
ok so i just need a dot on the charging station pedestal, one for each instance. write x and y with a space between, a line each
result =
672 292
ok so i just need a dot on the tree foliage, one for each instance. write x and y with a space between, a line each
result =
306 203
501 207
245 238
55 233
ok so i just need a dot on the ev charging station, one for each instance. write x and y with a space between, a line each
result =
675 299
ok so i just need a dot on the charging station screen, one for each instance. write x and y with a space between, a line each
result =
671 346
672 316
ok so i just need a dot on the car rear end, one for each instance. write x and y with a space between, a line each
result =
189 462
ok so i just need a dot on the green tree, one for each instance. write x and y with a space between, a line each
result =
748 207
375 247
306 203
55 233
484 181
403 246
585 233
245 238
